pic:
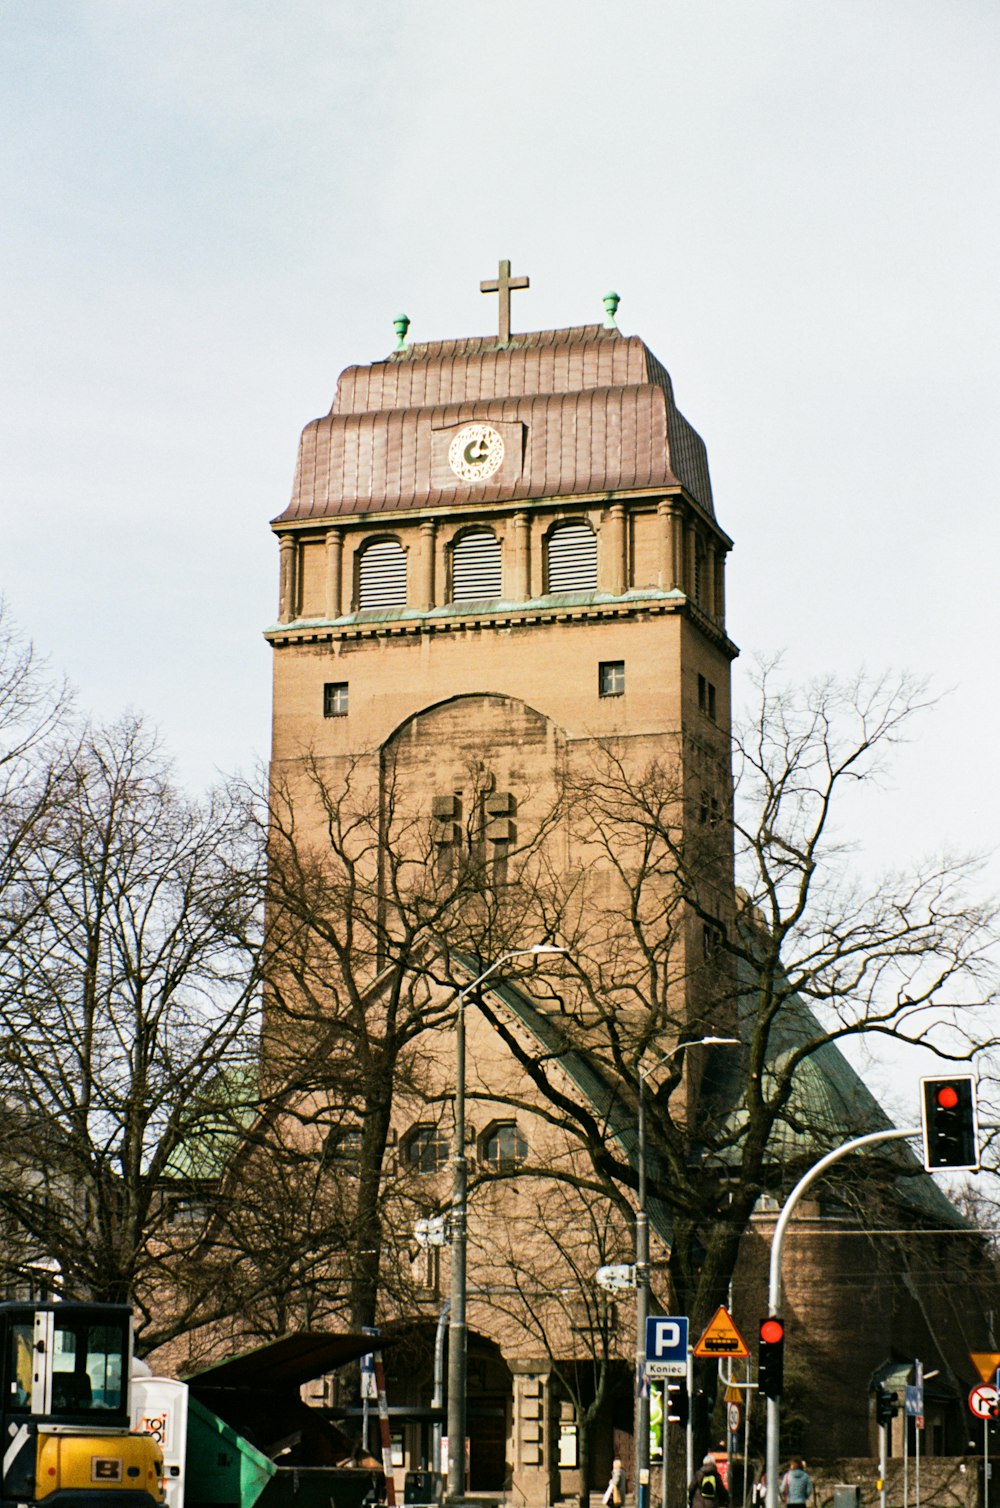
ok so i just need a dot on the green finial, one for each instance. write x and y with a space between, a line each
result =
401 324
611 302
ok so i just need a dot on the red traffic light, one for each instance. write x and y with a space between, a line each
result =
772 1331
949 1122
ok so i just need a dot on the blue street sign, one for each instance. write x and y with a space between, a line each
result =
666 1345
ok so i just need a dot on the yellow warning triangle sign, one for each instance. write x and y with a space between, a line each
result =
985 1363
721 1337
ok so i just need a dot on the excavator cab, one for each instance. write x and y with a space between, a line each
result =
64 1396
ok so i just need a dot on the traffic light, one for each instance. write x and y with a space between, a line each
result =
678 1406
951 1130
771 1356
886 1404
702 1404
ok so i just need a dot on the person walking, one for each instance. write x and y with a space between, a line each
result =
796 1484
708 1489
614 1493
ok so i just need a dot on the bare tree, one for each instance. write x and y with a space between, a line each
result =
128 1023
33 709
373 903
804 956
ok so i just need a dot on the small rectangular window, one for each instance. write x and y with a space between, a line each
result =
706 697
611 678
712 938
335 699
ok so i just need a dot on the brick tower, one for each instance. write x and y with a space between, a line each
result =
503 551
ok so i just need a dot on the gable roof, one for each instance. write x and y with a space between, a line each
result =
831 1104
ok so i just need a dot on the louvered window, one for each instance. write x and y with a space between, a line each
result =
382 575
475 567
572 559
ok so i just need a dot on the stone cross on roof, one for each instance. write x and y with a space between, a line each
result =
504 284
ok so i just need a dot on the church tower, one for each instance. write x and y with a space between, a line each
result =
502 602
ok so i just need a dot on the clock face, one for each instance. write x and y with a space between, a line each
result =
476 453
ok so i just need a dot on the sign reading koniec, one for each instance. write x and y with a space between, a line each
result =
666 1345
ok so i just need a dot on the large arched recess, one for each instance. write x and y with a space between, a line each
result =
444 749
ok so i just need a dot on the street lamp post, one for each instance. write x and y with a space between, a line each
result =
457 1330
642 1279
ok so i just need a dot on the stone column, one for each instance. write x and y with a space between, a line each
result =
671 544
425 584
691 572
518 589
532 1443
708 589
720 587
286 590
334 572
613 566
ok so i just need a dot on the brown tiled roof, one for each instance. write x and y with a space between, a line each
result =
596 407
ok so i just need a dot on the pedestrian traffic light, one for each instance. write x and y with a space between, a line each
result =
951 1129
678 1406
886 1404
771 1356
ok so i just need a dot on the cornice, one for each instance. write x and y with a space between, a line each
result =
402 623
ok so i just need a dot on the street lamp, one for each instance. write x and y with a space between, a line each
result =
457 1370
642 1274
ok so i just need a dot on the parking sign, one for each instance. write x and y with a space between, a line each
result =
666 1345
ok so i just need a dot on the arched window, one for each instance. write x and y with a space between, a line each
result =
475 567
382 575
571 558
426 1149
504 1147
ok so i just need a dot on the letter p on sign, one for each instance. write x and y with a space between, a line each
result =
666 1338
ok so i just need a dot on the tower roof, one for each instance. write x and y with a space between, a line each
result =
583 410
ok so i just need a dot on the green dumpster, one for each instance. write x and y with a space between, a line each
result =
222 1467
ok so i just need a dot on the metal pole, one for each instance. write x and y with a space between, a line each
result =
457 1377
457 1330
883 1461
641 1313
774 1282
663 1445
689 1442
986 1463
437 1400
906 1458
746 1438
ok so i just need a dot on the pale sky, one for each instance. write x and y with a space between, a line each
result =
210 209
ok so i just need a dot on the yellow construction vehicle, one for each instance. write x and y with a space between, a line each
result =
65 1410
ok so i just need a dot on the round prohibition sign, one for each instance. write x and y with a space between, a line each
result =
983 1401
